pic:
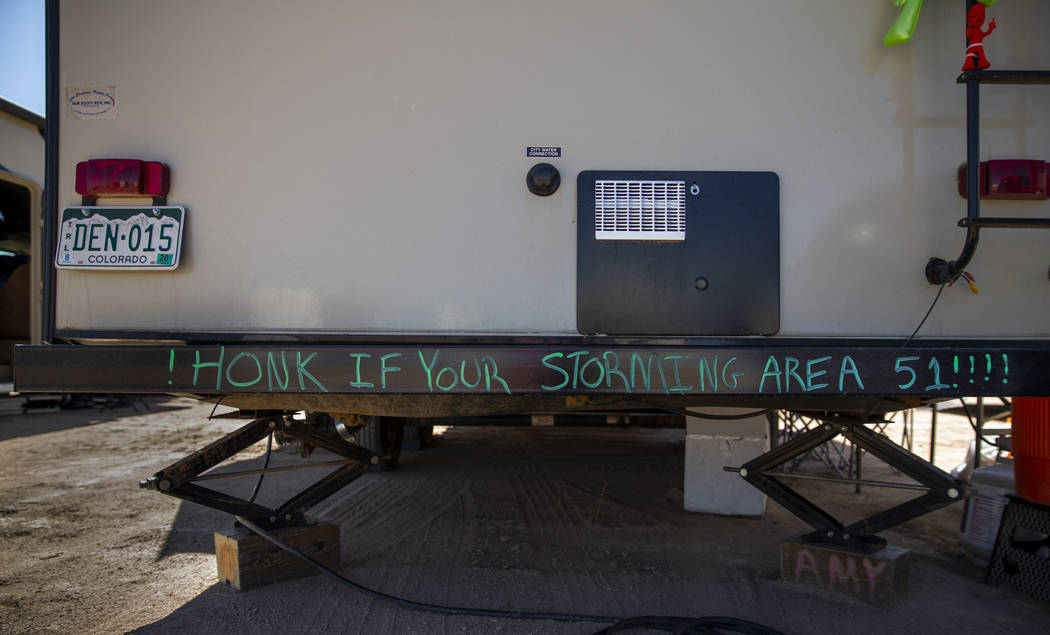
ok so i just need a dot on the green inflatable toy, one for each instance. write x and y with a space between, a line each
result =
904 26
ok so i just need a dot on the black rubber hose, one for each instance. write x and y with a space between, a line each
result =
266 464
423 606
684 625
973 425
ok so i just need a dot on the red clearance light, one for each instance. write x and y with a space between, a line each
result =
122 177
1009 179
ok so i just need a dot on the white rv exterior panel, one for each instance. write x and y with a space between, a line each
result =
360 166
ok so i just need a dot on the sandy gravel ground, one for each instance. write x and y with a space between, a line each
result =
558 519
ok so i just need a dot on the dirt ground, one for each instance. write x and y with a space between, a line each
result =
546 519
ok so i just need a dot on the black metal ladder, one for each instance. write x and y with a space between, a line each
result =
938 270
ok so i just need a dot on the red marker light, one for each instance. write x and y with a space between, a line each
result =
1010 179
122 177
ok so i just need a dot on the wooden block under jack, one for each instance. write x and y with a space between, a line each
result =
245 560
880 577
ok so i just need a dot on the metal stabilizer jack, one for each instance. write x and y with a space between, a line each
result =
178 479
941 488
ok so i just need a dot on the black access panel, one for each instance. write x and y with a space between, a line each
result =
648 271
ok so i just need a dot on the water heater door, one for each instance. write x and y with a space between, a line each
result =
678 253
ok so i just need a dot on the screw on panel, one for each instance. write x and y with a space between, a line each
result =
743 472
953 493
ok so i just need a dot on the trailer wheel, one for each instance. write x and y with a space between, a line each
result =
382 435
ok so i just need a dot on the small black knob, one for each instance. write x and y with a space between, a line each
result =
543 179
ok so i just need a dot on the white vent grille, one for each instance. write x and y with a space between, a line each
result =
639 210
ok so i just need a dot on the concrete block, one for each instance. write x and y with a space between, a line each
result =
245 560
711 445
879 578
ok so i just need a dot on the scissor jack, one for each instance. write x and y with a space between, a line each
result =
178 479
941 489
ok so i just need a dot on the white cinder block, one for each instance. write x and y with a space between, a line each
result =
712 445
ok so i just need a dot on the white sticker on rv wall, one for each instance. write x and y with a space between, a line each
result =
92 102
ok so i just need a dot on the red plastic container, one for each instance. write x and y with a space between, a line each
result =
1030 445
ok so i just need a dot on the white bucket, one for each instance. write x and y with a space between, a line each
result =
984 510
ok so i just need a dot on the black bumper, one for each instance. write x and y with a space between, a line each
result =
760 368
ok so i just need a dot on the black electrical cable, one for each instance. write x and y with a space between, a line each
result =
693 626
668 624
925 317
422 606
215 407
703 625
974 425
266 464
690 626
911 337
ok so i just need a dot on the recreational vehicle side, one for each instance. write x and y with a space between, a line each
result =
384 213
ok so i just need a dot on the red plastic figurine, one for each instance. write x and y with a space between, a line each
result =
975 59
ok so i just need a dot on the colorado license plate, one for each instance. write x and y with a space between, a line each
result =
120 238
